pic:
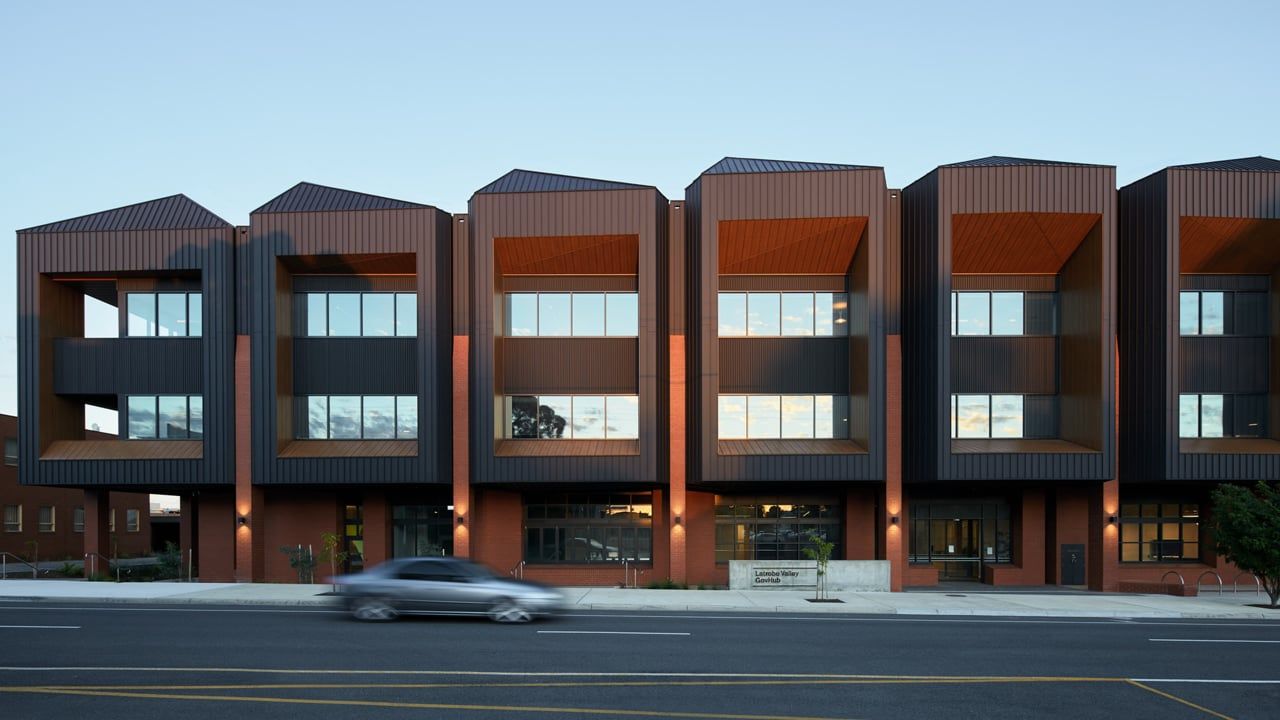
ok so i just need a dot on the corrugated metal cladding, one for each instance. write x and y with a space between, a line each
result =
734 165
1001 161
461 275
783 195
309 197
893 263
525 181
127 366
134 239
641 211
1151 374
424 232
994 185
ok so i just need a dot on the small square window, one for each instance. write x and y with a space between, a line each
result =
13 518
47 519
133 520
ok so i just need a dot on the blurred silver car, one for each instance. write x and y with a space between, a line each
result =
443 586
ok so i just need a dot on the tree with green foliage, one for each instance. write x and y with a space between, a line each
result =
331 554
1246 531
301 560
820 553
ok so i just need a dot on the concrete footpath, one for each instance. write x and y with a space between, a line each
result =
981 601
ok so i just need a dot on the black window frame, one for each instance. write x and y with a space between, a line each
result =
395 312
749 512
1129 518
155 311
550 519
155 411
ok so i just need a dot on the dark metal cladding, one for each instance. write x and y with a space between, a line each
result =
1257 163
735 165
309 197
1002 161
525 181
175 212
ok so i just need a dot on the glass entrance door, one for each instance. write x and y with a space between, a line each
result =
955 548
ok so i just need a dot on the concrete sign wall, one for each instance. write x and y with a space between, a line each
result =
842 575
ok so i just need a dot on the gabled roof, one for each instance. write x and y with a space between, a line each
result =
175 212
737 165
1002 161
1257 163
310 197
526 181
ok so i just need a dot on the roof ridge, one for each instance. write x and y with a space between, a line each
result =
68 224
287 202
511 182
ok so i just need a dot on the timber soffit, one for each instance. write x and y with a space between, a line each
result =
175 212
310 197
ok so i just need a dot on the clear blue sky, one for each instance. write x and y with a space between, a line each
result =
105 104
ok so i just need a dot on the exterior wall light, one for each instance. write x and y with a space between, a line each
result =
894 519
461 521
1112 519
242 521
679 520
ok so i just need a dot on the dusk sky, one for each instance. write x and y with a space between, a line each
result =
107 104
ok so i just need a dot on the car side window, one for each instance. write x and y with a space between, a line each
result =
434 571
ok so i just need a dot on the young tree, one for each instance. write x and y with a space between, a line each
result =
331 553
820 553
1246 531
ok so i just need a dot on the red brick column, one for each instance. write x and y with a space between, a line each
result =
97 531
462 497
186 524
895 545
216 536
679 517
377 528
248 499
1103 553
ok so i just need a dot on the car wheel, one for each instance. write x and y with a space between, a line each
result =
373 610
508 611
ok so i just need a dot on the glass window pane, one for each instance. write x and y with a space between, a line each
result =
972 313
1211 416
553 314
1189 313
554 412
195 314
840 313
1006 313
1188 416
1211 314
954 330
733 314
623 414
318 417
522 315
344 415
344 314
171 314
407 417
406 314
823 309
588 417
623 314
142 314
317 315
763 314
379 314
733 417
1006 416
588 314
972 416
797 416
524 416
797 314
824 422
142 417
764 416
380 417
195 416
953 416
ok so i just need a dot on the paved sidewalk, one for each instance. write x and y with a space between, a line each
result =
976 602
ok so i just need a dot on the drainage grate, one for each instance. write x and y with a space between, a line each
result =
955 595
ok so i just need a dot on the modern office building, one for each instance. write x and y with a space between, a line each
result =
583 382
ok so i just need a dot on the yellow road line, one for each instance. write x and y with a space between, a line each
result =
426 706
1177 699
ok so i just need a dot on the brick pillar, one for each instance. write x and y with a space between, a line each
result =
186 526
1103 553
1029 553
97 531
377 528
249 504
216 536
895 545
462 496
860 524
679 512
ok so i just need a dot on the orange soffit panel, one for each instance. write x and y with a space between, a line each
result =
794 246
568 255
1223 245
1016 243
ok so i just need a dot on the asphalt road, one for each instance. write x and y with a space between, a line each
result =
139 662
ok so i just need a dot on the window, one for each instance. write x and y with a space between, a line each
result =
164 314
77 519
1159 532
988 313
966 532
132 520
1201 312
372 314
11 451
111 521
751 528
421 530
1200 416
576 314
46 521
165 417
356 417
766 417
787 314
573 417
987 416
13 518
578 528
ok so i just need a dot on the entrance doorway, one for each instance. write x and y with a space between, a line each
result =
959 537
954 547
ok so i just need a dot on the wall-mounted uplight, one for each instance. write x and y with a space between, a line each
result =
461 521
242 521
679 520
1111 520
894 519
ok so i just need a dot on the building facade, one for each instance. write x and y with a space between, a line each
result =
583 382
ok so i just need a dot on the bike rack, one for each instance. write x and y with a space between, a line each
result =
4 566
1235 584
1215 575
1176 574
517 572
93 566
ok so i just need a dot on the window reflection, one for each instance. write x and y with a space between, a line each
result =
344 314
352 417
554 412
406 314
165 314
142 314
588 417
142 417
165 417
172 315
987 416
973 416
318 417
623 314
1211 313
573 417
733 417
172 416
623 417
797 416
522 315
379 417
797 314
344 417
378 314
789 314
973 313
1189 313
1006 313
782 416
1006 416
553 315
407 417
578 528
588 314
1188 416
733 314
763 317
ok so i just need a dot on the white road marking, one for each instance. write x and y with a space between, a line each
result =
1199 680
39 627
1189 640
606 632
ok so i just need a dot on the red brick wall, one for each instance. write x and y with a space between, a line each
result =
495 524
215 547
701 541
294 517
860 524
